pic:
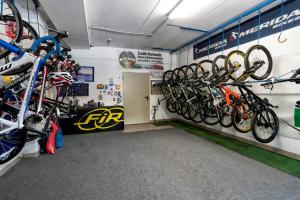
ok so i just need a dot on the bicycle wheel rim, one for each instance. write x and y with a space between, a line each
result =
259 55
263 121
235 64
11 142
16 33
242 121
207 67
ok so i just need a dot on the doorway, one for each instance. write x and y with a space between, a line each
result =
136 98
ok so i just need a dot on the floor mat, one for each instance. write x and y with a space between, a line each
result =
164 164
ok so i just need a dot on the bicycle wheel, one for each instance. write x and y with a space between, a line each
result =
196 113
190 71
11 31
218 64
171 106
11 142
211 115
204 68
180 73
185 110
225 115
235 64
241 118
265 126
259 57
168 76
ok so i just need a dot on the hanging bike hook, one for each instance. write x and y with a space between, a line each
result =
279 39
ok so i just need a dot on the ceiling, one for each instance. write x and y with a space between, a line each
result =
136 23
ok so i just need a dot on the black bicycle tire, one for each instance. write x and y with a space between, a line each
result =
226 125
169 103
209 116
164 76
198 114
275 132
200 66
269 56
190 67
214 65
181 70
19 23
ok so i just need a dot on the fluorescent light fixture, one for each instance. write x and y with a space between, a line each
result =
188 8
165 6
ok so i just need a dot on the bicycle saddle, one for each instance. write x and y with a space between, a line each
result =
297 104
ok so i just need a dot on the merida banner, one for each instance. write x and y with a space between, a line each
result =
270 23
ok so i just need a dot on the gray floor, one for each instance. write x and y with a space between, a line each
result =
165 164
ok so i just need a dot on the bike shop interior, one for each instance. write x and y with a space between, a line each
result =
156 99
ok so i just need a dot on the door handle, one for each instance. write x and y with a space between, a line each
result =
147 98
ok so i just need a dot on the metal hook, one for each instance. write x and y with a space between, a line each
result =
281 26
280 40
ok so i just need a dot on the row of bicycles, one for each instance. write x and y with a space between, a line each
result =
35 69
218 92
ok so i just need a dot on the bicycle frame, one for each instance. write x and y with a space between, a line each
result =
253 99
24 58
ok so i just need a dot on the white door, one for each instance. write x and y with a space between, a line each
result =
136 98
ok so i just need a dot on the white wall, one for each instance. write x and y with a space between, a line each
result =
106 63
286 57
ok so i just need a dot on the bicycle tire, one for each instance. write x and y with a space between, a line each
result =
201 67
168 76
181 74
19 137
223 112
215 67
185 109
19 25
171 106
190 71
255 133
229 67
235 115
269 57
198 115
210 113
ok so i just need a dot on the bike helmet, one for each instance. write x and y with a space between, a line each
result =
60 79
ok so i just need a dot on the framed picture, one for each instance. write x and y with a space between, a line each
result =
85 74
76 89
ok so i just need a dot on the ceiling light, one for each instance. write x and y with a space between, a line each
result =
165 6
188 8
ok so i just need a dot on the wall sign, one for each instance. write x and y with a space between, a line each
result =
85 74
271 21
140 59
76 89
94 120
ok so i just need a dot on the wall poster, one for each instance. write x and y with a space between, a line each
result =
141 59
85 74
